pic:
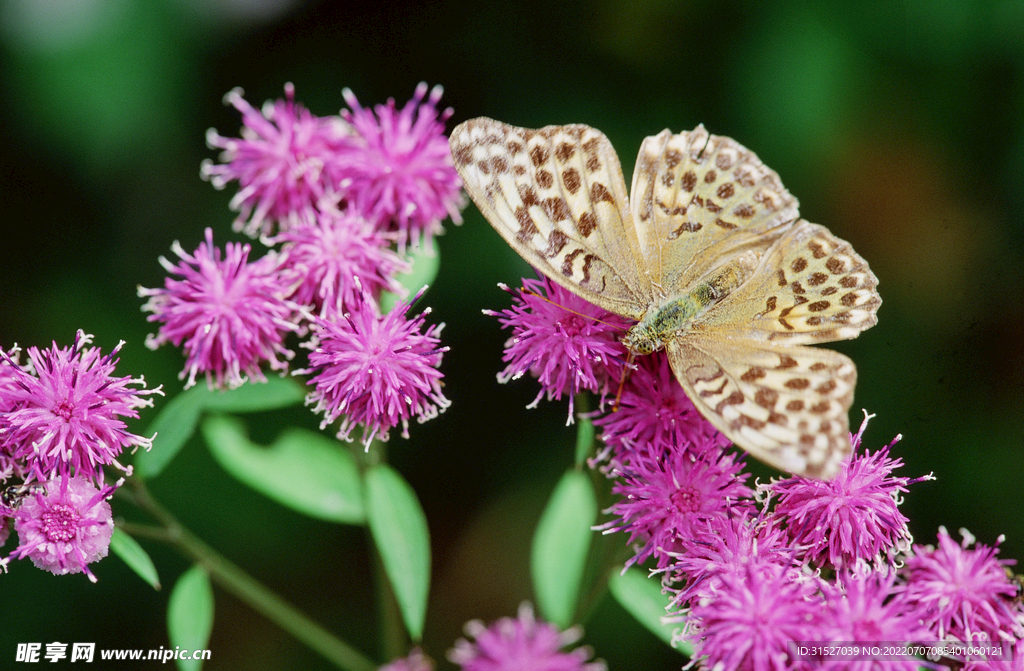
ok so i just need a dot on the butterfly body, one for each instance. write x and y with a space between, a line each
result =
671 319
709 255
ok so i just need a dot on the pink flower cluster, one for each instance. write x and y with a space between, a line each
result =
338 200
61 421
752 570
390 167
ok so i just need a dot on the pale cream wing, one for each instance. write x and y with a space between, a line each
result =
557 195
809 287
786 406
699 198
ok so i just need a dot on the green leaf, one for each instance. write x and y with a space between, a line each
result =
276 392
400 533
301 470
178 420
560 546
137 559
642 598
173 427
190 615
425 263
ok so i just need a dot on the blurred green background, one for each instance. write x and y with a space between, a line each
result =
899 125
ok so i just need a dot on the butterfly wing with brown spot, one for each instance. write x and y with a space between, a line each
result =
699 199
786 406
700 203
557 195
810 287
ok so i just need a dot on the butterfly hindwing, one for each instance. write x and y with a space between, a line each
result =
557 195
786 406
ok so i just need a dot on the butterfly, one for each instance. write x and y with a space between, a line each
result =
709 256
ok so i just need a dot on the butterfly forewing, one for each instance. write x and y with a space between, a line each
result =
698 199
787 406
557 195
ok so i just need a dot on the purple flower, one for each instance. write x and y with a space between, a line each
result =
10 372
229 314
864 609
65 529
375 371
1014 660
521 644
853 517
748 623
397 168
335 258
671 496
963 593
285 162
416 661
726 545
563 340
654 410
66 419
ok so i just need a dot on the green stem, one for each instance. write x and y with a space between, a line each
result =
249 590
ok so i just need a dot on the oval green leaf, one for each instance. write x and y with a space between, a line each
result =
642 598
560 547
400 534
301 470
178 420
277 392
190 615
173 427
137 559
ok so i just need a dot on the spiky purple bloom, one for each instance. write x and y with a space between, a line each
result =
415 661
749 621
567 343
65 529
335 258
375 371
285 162
66 419
865 609
852 518
397 169
10 371
654 410
520 644
963 593
730 545
229 314
667 497
1014 663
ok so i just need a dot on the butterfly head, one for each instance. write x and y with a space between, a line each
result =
643 339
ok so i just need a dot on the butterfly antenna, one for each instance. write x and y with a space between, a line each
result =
524 290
